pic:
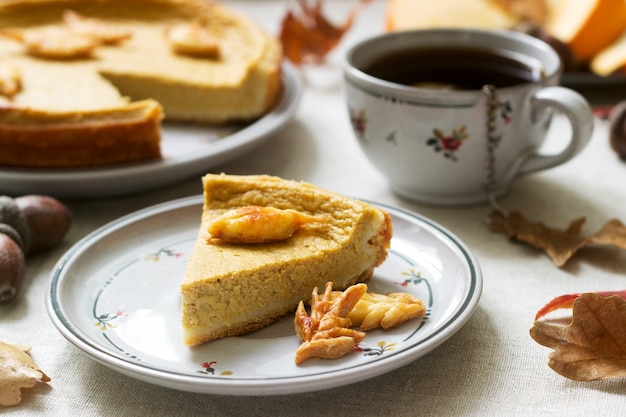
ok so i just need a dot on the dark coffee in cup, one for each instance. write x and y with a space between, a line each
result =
452 68
463 146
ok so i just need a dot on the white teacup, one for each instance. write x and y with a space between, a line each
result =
433 144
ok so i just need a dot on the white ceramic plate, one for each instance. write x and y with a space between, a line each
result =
115 296
187 149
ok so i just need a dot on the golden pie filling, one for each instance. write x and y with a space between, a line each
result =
234 288
71 103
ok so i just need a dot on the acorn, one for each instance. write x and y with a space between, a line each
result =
13 222
28 224
12 268
47 219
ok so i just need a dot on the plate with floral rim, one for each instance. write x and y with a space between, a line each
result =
188 149
115 296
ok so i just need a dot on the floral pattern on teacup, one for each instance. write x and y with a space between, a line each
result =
358 119
505 112
448 145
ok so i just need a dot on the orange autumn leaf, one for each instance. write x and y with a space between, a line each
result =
559 245
593 346
310 36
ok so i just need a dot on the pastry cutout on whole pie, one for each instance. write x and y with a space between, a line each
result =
104 103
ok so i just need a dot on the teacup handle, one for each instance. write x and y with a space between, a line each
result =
577 110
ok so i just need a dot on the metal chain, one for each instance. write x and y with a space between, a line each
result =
490 168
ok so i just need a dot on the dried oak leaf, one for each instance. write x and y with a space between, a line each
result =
560 245
593 346
17 370
309 35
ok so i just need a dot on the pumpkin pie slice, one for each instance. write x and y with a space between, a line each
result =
234 288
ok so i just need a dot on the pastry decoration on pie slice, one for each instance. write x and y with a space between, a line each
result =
232 288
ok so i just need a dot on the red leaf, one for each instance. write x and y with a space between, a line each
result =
567 300
309 36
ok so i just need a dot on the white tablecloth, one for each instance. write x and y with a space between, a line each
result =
491 367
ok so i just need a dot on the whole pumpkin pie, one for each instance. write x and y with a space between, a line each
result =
232 288
88 82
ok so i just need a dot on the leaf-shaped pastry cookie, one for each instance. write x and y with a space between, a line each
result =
326 332
593 346
384 310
